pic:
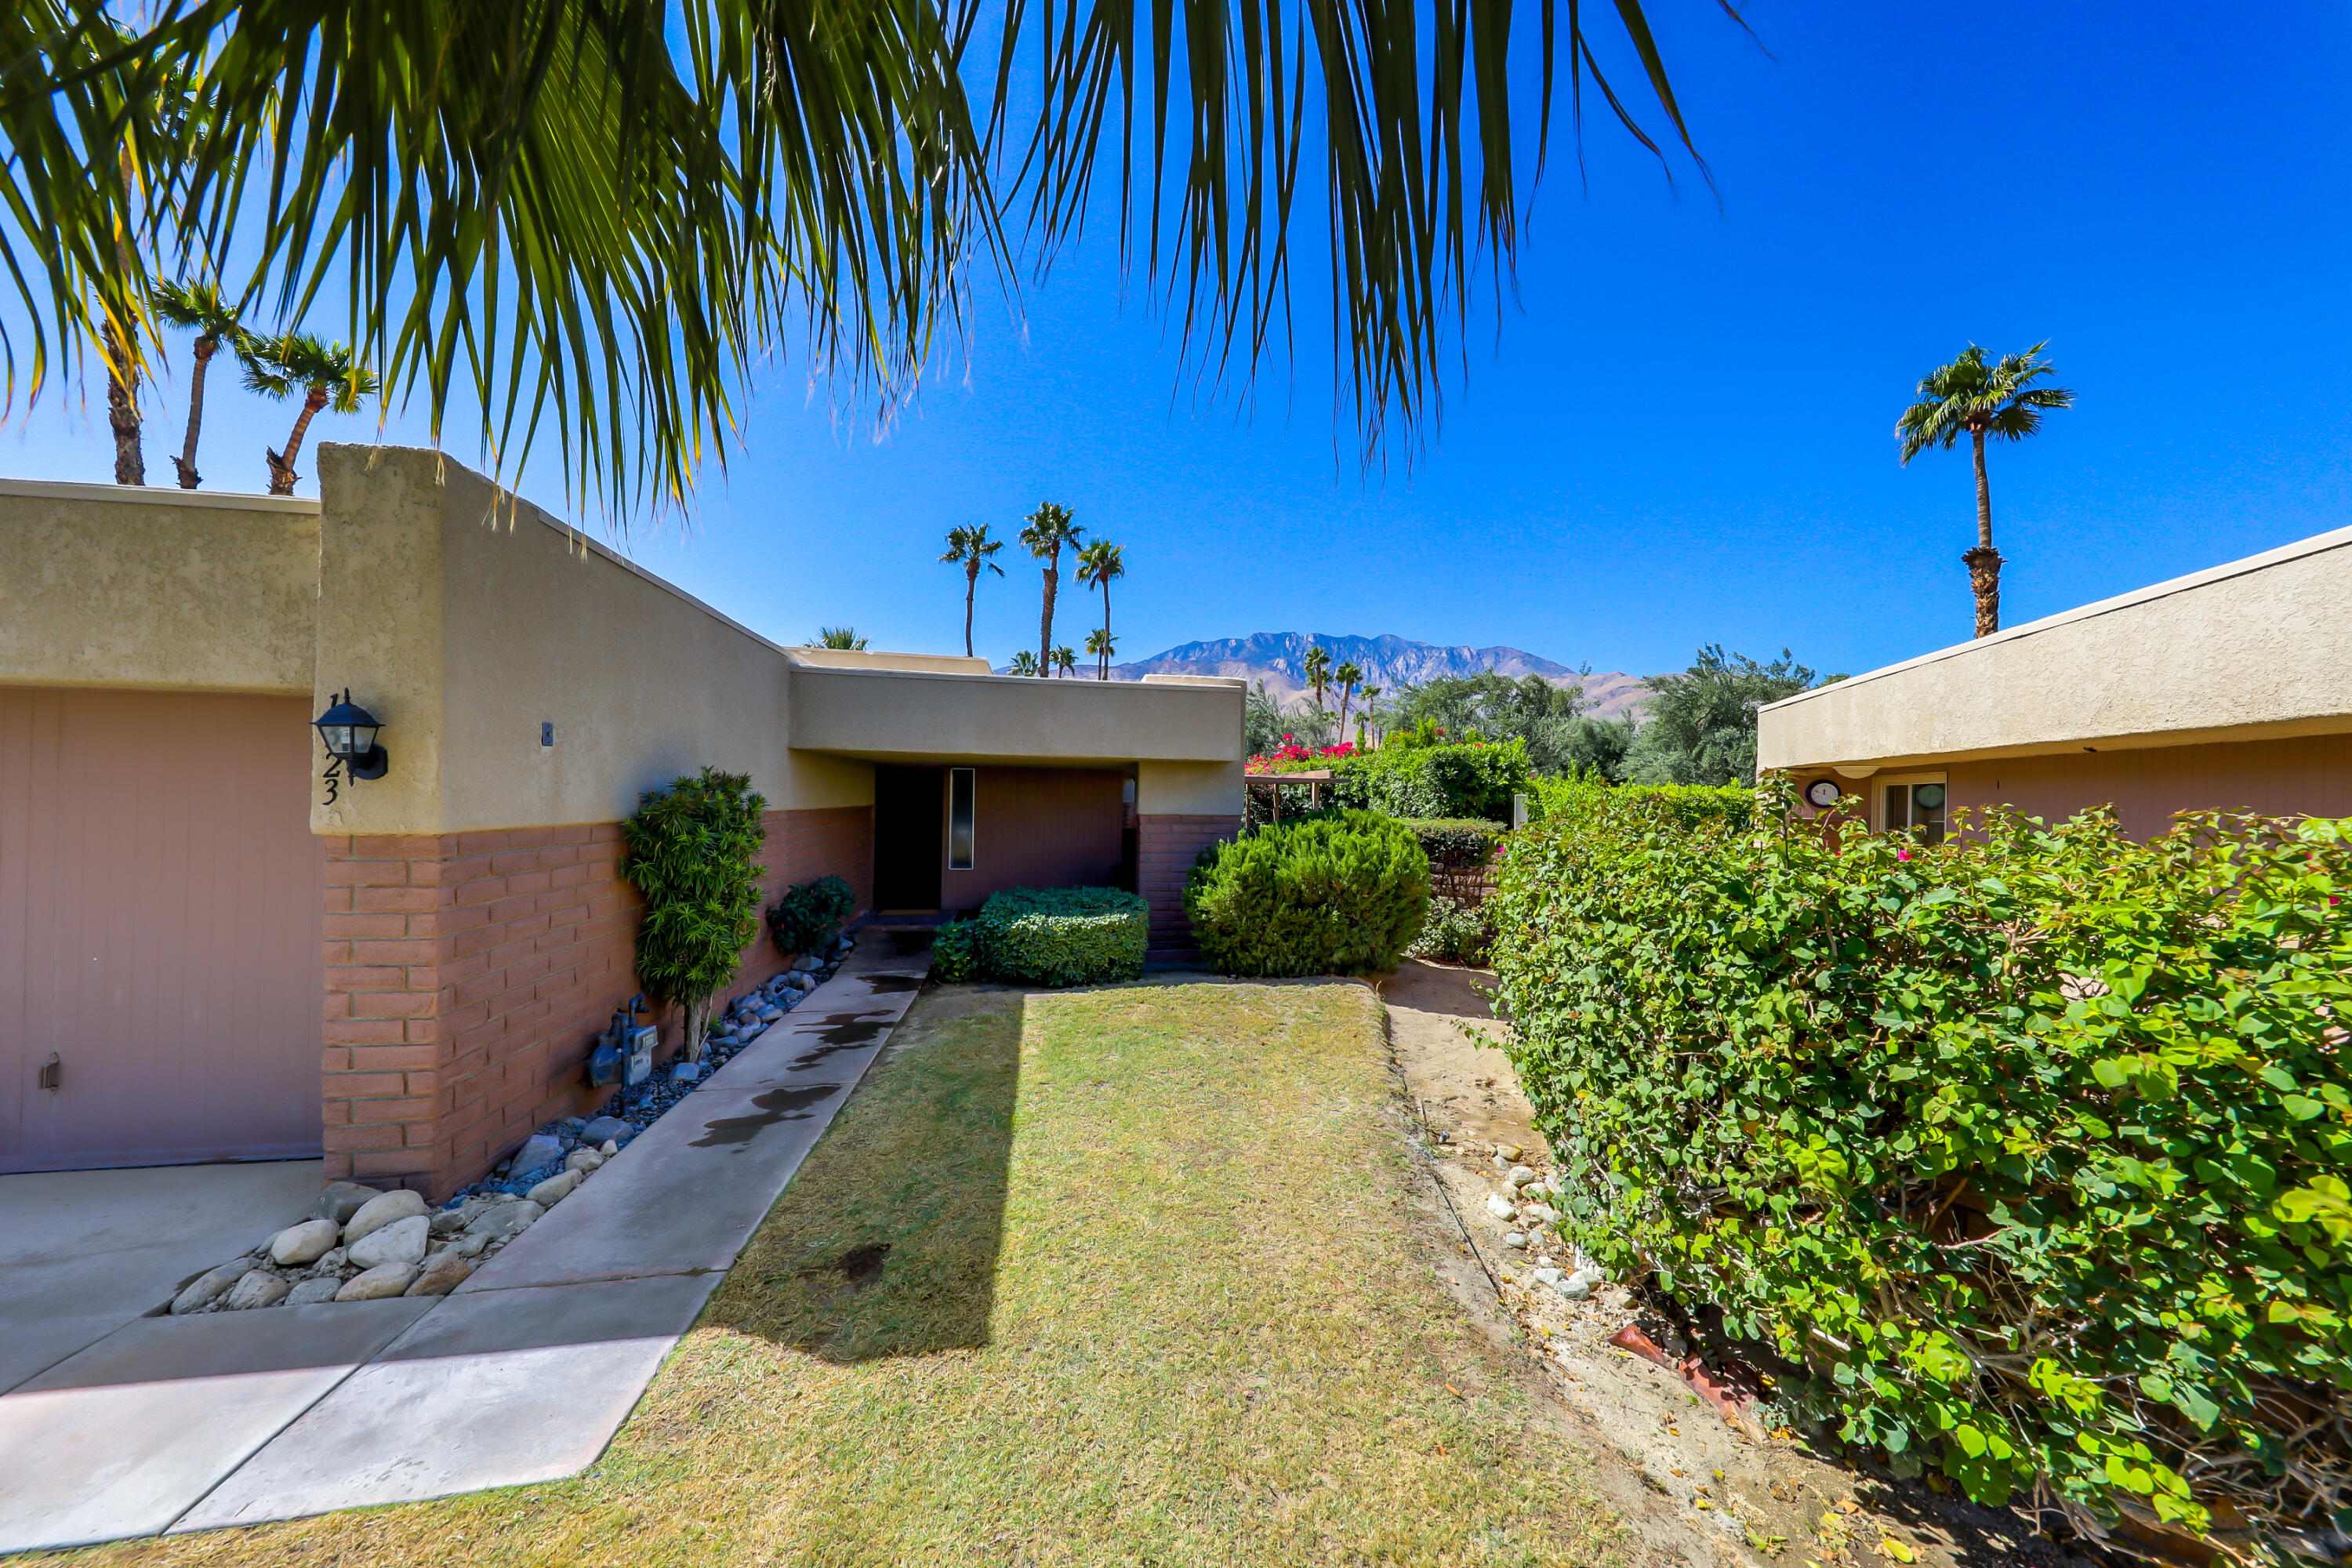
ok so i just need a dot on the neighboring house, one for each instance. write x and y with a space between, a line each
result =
211 953
2228 689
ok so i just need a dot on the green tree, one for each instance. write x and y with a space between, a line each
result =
1701 724
1968 397
1049 530
691 850
1026 663
1100 565
1372 713
606 213
1493 705
1317 668
326 374
971 548
842 638
1065 660
199 307
1263 725
1101 644
1346 677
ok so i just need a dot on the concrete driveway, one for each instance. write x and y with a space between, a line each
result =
84 1252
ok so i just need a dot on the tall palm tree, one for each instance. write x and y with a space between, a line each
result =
661 207
1065 660
842 638
199 307
1049 530
1968 397
1098 564
1099 644
328 375
1346 676
1317 665
1371 710
971 548
1026 663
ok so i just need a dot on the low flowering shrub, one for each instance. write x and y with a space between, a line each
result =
1060 936
1336 893
1294 756
2034 1147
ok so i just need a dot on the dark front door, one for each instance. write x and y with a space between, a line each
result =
907 850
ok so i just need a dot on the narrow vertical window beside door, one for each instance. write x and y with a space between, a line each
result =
962 785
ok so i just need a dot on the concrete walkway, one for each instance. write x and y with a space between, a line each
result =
522 1374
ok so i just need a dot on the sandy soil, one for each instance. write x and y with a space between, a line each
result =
1697 1489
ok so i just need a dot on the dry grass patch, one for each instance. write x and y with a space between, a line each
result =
1123 1276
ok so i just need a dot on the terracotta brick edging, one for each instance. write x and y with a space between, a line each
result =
1166 846
466 975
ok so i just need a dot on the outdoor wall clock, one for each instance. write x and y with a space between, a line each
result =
1823 794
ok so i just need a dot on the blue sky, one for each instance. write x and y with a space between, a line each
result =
1680 432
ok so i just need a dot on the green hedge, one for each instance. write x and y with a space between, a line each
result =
1586 799
1334 894
1060 936
1455 843
955 952
805 918
1469 780
2032 1147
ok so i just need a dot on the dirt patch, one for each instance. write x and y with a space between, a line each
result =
1697 1489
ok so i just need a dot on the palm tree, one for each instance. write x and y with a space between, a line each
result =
1049 530
1371 712
1970 397
971 548
1065 660
199 307
842 638
1317 665
1098 564
1099 644
1347 675
328 374
659 217
1026 663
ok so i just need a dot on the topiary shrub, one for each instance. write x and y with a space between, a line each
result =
805 918
955 956
1329 894
1061 936
691 848
2034 1148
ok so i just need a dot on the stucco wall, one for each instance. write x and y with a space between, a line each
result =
921 716
2260 647
109 585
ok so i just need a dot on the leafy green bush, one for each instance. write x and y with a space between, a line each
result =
954 952
2032 1147
691 852
1581 799
805 918
1469 780
1455 930
1455 843
1061 936
1333 894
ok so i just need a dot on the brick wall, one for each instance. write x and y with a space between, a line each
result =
468 973
1166 844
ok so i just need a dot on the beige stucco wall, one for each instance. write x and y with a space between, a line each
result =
1190 789
466 619
2260 647
892 715
109 586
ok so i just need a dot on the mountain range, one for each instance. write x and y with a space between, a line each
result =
1390 663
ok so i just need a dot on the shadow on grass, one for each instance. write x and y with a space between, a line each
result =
886 1243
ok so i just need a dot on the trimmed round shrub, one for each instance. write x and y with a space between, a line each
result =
1061 936
1341 894
2033 1148
805 918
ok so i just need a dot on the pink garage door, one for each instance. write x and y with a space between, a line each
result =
160 929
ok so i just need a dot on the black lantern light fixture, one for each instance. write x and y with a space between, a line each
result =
349 732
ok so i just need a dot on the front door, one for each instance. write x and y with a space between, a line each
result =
908 849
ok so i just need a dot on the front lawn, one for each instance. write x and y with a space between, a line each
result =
1124 1275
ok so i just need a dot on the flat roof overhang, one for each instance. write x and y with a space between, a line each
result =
934 715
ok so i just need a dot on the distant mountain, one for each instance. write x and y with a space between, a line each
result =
1390 663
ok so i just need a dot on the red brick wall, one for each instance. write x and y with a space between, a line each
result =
468 973
1165 848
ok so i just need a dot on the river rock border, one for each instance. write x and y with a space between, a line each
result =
362 1245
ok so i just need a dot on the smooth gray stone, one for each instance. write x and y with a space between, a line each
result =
311 1292
505 1220
402 1241
490 1390
375 1284
555 1189
305 1243
121 1438
443 1272
258 1288
211 1285
383 1210
605 1129
537 1150
337 1200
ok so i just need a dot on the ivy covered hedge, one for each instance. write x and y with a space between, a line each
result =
2033 1150
1583 799
1337 893
1052 936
